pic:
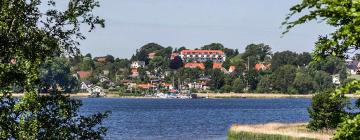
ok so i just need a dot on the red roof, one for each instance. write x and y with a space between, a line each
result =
232 68
145 86
195 65
217 65
202 51
261 66
84 74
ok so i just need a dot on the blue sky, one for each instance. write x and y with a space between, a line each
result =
193 23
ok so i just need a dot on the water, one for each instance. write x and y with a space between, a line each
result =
158 119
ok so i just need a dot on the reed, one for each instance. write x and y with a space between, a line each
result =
276 131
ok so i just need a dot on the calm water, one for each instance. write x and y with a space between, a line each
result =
156 119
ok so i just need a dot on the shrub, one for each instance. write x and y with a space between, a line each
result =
326 111
348 130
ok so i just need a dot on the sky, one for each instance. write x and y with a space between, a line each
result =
131 24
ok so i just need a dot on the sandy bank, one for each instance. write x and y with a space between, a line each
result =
298 130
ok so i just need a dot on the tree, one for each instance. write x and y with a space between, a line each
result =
264 85
56 73
238 85
326 112
28 37
283 78
323 81
217 79
344 16
176 63
208 65
213 46
303 82
283 58
87 64
257 51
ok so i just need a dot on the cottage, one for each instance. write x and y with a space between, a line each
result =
83 74
137 64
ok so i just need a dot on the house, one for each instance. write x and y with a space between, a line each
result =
352 66
152 55
106 72
203 56
336 79
101 59
83 74
167 86
217 65
195 65
232 69
134 72
261 66
84 86
146 86
137 64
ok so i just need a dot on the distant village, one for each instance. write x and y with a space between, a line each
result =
209 69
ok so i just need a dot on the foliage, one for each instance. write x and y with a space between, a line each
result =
264 85
57 120
257 51
349 129
176 63
303 82
283 78
28 37
326 111
56 73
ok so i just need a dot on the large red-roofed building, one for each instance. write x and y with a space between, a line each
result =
203 55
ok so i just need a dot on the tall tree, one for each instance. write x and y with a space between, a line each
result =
28 37
344 15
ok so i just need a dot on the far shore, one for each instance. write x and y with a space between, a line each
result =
295 131
206 95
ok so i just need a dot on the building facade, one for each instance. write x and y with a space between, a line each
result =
217 56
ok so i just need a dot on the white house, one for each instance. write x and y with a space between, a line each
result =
137 64
336 79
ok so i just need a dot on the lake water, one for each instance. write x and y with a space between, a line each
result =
158 119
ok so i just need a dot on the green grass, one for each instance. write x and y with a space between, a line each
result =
258 136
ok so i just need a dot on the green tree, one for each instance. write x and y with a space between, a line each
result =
87 64
344 16
326 111
238 85
176 63
280 59
265 84
303 82
213 46
208 65
55 73
28 37
217 79
283 78
257 51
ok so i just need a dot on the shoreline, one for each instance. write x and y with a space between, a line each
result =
278 130
206 95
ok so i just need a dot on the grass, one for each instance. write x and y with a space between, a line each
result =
275 131
259 136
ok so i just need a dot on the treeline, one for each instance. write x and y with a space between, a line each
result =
257 69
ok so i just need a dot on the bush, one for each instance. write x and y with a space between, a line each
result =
326 111
349 130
